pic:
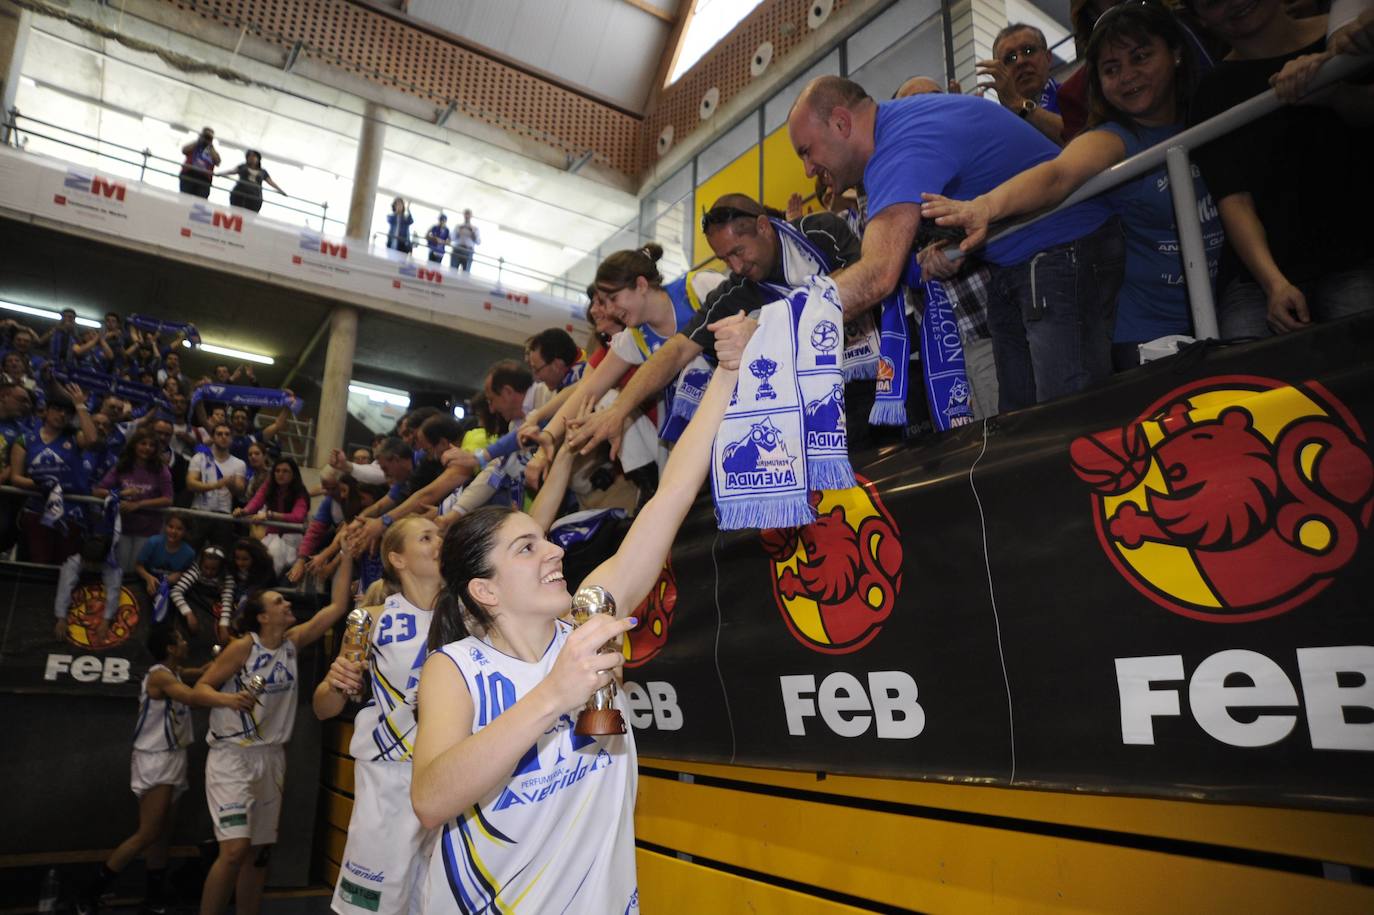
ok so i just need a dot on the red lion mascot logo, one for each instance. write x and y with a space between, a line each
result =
836 580
1266 497
655 615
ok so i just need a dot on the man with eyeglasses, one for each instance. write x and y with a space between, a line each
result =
745 235
1020 73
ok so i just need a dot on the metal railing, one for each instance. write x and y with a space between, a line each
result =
16 126
164 510
1173 154
556 284
145 160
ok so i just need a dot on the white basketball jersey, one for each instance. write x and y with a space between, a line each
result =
163 724
384 729
559 835
271 720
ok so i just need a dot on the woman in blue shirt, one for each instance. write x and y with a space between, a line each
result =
1141 71
398 223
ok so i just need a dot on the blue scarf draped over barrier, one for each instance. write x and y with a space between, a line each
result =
98 383
942 360
233 395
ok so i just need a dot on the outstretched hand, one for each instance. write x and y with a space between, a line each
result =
732 336
973 216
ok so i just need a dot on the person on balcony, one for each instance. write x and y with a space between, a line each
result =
438 236
1141 69
398 223
247 192
466 238
201 161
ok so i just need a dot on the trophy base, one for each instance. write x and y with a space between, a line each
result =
599 722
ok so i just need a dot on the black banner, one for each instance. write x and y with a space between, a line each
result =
1160 587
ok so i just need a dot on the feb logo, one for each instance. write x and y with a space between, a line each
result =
1231 499
655 615
88 610
836 580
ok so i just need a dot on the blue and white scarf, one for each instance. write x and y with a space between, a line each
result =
161 600
113 525
942 361
143 322
580 527
784 432
54 507
93 382
800 259
233 395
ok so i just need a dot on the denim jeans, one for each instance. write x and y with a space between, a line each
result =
1052 317
1243 312
461 259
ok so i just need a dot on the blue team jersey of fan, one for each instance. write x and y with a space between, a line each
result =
961 146
1153 301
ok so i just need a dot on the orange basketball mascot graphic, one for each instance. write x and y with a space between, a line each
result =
836 580
1231 499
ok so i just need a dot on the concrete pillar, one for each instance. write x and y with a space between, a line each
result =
14 38
974 24
338 369
367 168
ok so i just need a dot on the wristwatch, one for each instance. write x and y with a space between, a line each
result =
386 520
1026 107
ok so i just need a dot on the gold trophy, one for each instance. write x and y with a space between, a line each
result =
600 716
356 630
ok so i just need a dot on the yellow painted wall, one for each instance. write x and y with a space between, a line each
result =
783 174
793 843
739 177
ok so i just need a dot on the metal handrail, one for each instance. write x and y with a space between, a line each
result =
1173 155
13 129
419 243
163 510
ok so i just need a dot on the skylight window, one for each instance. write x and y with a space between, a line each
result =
711 22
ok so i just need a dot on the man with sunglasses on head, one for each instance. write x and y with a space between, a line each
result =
745 235
1020 73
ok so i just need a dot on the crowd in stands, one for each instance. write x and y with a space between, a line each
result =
910 193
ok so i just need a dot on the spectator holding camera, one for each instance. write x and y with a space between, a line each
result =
199 166
398 223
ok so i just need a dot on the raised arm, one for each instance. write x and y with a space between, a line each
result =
887 243
230 659
340 602
632 571
651 378
1037 188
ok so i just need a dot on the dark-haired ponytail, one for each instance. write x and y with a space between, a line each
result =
465 555
448 626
